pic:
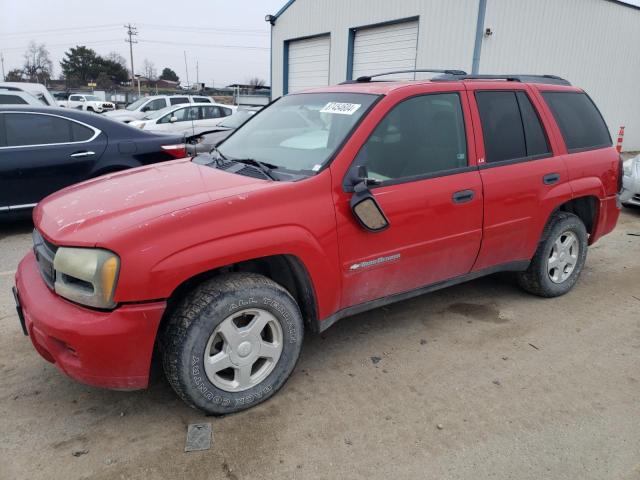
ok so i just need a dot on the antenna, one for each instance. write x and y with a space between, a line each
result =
131 32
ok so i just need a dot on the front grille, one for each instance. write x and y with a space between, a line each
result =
107 105
45 252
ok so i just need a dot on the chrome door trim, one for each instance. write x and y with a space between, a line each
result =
96 131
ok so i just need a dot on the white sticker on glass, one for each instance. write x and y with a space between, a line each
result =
341 108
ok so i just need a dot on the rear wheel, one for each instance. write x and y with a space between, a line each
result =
561 254
232 343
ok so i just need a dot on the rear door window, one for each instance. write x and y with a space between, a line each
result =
11 100
209 112
580 122
420 136
511 127
34 129
201 100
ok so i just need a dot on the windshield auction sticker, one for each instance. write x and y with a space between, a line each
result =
341 108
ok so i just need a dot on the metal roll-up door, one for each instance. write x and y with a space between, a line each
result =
308 63
385 48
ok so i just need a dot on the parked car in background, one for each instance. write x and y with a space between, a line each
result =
219 265
630 195
14 97
43 149
188 119
206 141
88 103
36 89
144 105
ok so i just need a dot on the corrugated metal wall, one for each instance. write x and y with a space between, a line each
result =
593 43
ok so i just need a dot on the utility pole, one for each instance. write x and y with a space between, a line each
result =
197 73
186 68
131 32
2 61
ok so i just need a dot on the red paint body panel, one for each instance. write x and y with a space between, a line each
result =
170 222
104 349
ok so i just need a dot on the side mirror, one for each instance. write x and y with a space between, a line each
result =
364 205
82 99
173 119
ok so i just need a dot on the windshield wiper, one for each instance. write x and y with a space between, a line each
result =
263 167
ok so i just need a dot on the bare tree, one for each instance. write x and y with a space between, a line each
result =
37 64
117 58
256 82
149 70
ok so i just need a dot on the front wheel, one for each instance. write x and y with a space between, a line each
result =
561 254
232 343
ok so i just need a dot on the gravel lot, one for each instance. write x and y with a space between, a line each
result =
477 381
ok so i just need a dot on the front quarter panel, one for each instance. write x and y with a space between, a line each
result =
293 218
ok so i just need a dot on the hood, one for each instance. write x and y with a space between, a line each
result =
126 114
91 212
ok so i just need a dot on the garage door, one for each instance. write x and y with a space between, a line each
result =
385 48
308 63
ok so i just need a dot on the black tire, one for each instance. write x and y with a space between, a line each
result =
196 317
536 279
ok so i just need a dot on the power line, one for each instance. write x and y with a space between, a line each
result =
131 32
190 28
206 45
59 30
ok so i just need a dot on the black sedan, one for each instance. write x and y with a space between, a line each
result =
204 142
43 149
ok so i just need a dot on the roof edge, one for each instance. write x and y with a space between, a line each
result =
282 10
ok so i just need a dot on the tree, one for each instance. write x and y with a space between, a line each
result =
81 64
37 64
14 75
112 70
149 69
117 58
168 74
256 82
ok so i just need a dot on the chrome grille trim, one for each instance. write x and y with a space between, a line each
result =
45 252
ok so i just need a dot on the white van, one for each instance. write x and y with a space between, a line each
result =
36 89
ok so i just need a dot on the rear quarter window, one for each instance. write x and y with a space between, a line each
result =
579 120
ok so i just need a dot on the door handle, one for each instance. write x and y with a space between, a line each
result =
551 178
463 196
86 153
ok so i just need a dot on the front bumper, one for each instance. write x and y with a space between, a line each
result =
103 349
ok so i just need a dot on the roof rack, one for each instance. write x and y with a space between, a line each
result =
367 78
525 78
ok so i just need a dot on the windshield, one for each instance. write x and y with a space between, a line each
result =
136 104
159 113
92 98
237 119
299 132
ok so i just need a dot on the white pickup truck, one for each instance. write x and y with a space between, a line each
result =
89 103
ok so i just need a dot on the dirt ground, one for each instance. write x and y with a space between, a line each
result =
522 388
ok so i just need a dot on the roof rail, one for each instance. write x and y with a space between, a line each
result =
367 78
525 78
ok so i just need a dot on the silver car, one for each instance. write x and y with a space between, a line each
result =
631 182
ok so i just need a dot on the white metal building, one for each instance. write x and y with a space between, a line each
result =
595 44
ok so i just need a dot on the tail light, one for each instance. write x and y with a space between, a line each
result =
178 150
620 173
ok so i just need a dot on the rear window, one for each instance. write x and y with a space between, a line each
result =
580 122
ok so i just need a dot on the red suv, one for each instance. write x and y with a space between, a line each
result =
325 204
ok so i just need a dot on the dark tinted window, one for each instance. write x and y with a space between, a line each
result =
209 112
201 100
501 126
80 132
178 100
31 129
535 139
419 136
581 124
11 100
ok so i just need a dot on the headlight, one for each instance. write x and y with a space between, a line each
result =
141 125
627 167
86 275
